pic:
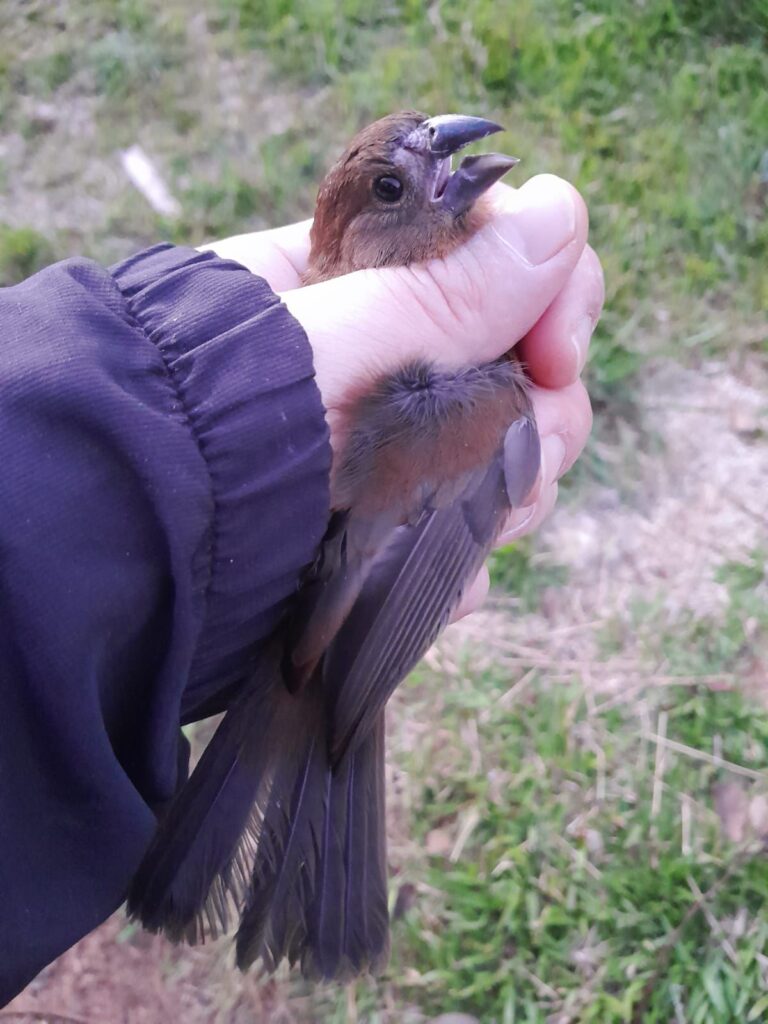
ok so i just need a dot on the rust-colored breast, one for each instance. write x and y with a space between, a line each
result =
418 433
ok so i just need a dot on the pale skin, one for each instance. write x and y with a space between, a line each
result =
527 278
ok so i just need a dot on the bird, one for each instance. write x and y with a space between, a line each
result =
281 825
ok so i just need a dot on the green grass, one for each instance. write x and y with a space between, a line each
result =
524 574
23 251
596 883
575 895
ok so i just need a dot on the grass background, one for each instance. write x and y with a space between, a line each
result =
563 851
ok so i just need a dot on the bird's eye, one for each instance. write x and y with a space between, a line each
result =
388 188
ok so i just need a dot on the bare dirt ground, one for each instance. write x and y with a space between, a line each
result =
695 504
117 975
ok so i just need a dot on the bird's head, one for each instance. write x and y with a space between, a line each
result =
393 199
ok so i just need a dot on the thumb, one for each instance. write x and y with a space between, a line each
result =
468 308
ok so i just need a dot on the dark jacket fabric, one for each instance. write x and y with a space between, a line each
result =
164 464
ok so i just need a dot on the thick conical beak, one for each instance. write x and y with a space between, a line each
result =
474 175
448 133
438 138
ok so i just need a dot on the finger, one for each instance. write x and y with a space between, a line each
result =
470 307
474 595
539 513
555 349
564 418
565 414
279 255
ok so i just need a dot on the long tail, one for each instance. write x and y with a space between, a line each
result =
319 887
197 869
365 943
265 827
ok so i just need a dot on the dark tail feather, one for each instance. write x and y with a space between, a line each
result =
198 866
366 922
319 890
266 827
275 921
349 920
324 952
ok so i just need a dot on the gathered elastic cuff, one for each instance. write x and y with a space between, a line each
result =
240 368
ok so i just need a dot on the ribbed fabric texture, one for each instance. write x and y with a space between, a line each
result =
165 467
251 403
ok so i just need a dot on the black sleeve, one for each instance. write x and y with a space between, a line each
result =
164 465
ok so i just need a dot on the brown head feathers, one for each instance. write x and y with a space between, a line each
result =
391 198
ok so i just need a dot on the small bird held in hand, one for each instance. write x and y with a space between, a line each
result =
282 822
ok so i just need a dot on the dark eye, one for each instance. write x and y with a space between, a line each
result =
388 188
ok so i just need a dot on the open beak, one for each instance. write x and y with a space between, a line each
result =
474 175
444 135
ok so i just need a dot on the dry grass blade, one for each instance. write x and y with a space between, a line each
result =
661 760
702 755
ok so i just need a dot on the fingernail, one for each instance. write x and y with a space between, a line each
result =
553 454
580 339
516 523
544 220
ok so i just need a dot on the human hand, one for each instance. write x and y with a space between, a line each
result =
526 278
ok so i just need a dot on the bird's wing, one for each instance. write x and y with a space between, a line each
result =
416 583
420 440
330 590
